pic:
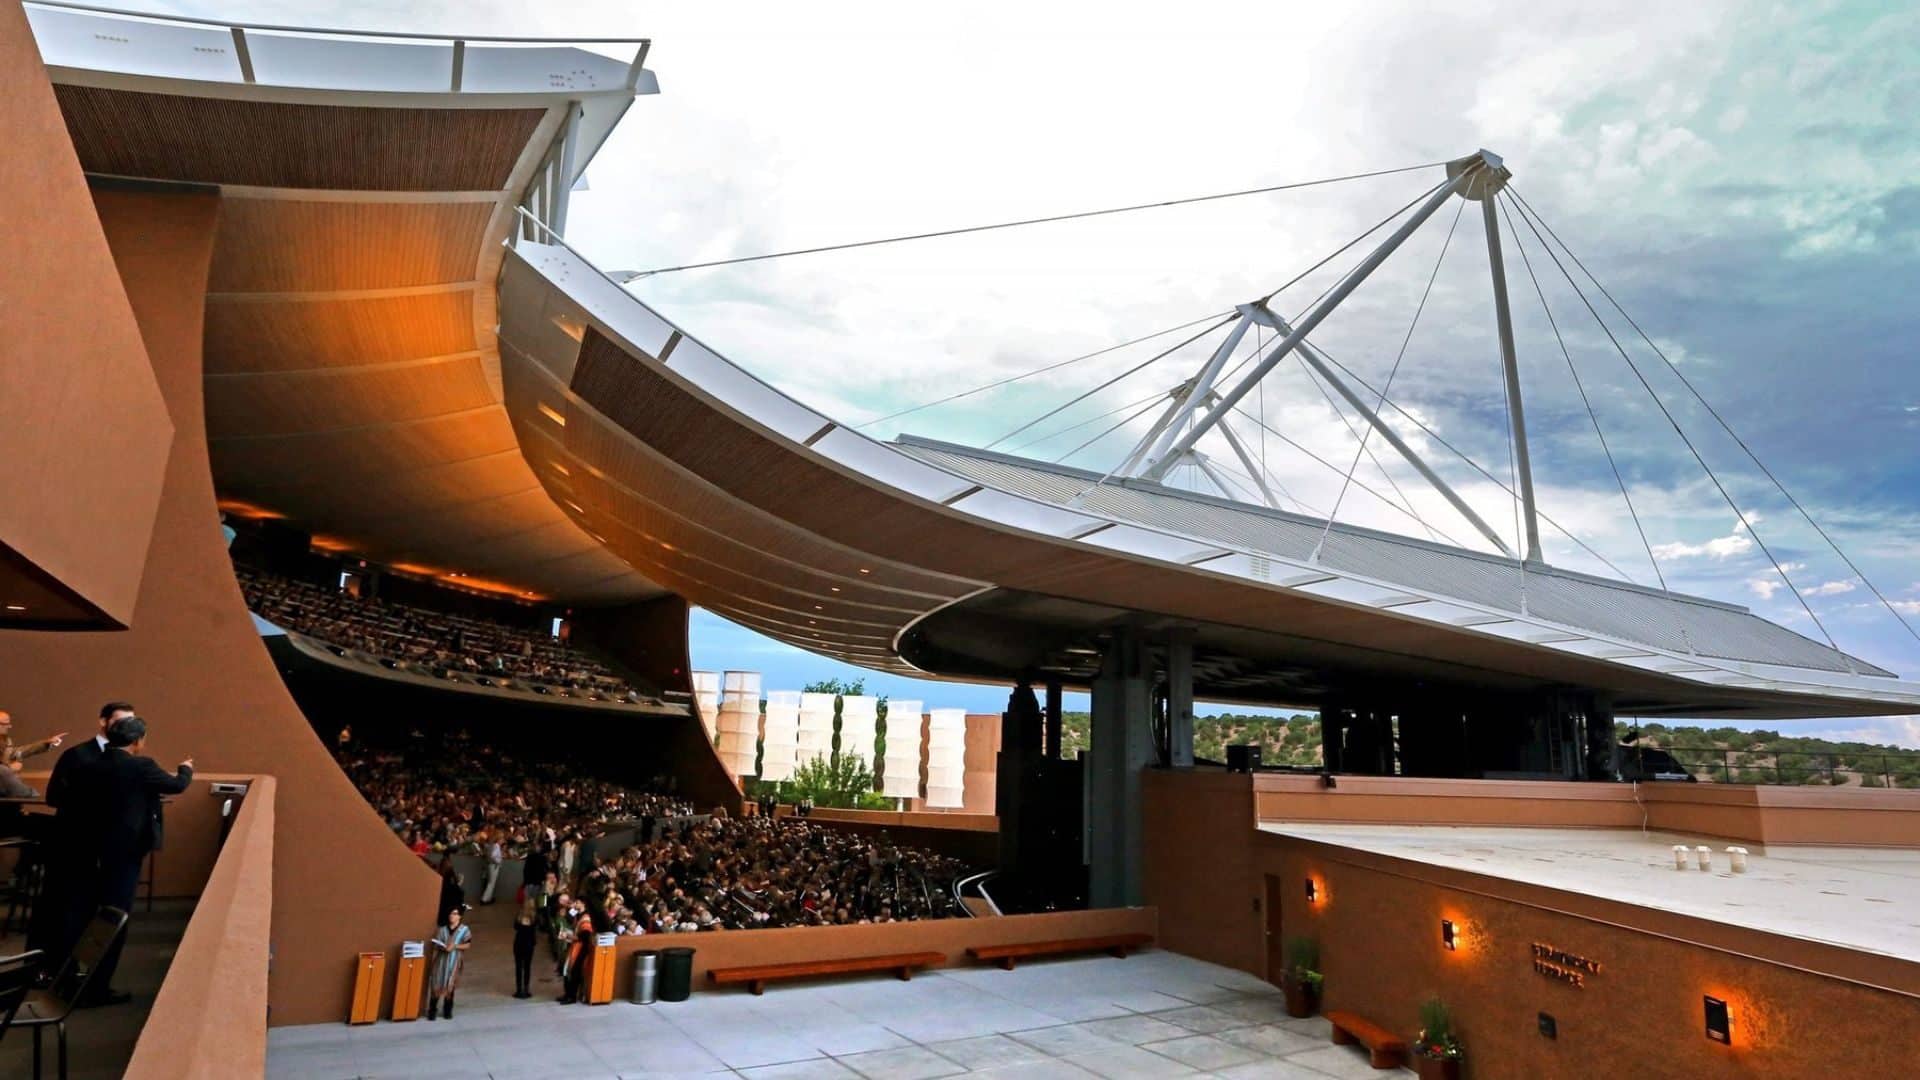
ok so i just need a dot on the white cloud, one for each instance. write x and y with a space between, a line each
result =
1718 548
1831 588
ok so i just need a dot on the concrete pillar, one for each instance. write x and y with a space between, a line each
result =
1121 746
1019 727
1052 742
1180 697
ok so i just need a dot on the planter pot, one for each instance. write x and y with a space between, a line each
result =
1436 1068
1302 998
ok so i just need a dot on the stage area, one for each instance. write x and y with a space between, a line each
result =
1151 1015
1855 897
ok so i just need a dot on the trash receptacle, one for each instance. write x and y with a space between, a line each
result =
676 974
646 976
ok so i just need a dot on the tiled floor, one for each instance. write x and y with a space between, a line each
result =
1154 1014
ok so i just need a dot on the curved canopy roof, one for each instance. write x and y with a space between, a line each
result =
367 183
922 556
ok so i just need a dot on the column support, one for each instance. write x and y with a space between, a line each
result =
1516 415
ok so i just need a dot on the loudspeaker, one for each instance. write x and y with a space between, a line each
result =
1243 758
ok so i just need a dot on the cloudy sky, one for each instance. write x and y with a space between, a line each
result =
1739 176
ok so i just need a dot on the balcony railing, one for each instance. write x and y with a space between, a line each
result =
1837 768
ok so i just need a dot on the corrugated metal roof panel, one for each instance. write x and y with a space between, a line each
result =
1620 610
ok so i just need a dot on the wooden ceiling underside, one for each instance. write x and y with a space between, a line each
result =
352 376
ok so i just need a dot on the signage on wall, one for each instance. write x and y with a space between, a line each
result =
1562 966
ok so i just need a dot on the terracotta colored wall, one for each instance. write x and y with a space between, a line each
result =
207 1021
1761 814
198 672
1800 1008
739 948
83 429
1193 820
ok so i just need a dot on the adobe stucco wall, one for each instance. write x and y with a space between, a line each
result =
83 429
195 667
952 937
1799 1008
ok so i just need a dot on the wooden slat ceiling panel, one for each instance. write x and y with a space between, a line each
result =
255 336
643 476
664 491
287 245
242 407
324 494
360 460
278 144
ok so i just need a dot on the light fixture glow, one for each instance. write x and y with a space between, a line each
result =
1719 1022
1449 935
1312 894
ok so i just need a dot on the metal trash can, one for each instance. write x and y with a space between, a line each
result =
646 976
676 974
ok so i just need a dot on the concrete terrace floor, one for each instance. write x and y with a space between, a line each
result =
1153 1014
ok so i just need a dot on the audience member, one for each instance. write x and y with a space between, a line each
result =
451 941
72 884
131 825
523 931
15 756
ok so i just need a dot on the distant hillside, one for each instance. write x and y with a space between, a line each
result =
1289 740
1761 756
1722 754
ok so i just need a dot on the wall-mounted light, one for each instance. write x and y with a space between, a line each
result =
1719 1024
1449 935
1313 894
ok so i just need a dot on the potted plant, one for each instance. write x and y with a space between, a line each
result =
1437 1053
1302 980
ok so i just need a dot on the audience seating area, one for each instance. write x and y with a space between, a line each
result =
456 648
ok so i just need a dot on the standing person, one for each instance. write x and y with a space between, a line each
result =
569 853
576 973
496 854
523 949
452 896
131 827
453 939
73 856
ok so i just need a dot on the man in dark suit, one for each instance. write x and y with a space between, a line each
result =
130 825
72 854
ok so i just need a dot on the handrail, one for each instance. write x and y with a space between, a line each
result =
979 883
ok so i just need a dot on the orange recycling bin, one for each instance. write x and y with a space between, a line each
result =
409 981
369 978
600 970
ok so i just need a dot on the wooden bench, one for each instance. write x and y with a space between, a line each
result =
757 977
1005 955
1387 1050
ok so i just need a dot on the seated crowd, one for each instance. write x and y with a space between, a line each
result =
458 796
437 642
724 873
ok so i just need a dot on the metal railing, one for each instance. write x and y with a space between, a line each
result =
243 54
1838 768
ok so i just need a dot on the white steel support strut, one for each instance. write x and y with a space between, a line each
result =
1196 392
1516 415
1246 459
1468 168
1325 370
